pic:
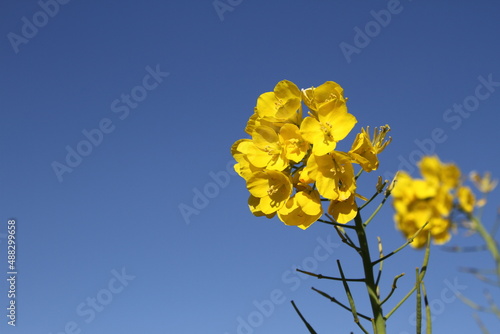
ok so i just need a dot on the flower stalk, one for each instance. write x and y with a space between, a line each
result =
294 171
491 244
378 320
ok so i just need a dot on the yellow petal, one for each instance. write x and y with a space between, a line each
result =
283 103
466 199
301 210
272 187
258 157
363 153
344 211
342 123
423 189
266 105
294 146
265 137
254 205
323 98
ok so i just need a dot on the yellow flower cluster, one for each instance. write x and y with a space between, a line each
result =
290 163
430 200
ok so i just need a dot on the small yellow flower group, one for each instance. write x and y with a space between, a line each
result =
432 200
290 163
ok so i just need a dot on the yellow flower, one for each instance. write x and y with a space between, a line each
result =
440 231
327 128
408 228
254 205
266 151
301 210
401 185
294 146
447 175
333 173
271 190
239 151
421 201
484 184
408 190
409 225
343 211
363 153
364 150
273 150
276 123
283 103
443 202
324 98
255 121
466 199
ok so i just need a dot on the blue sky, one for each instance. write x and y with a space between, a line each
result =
153 94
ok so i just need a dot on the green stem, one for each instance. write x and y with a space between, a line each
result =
394 287
409 241
319 276
369 201
428 322
419 302
423 271
376 211
332 299
351 300
378 317
490 243
309 327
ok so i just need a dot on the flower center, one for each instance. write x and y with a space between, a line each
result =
273 189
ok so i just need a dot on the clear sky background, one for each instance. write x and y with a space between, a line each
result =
104 248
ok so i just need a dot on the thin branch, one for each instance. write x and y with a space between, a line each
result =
493 306
335 223
332 299
330 277
394 287
468 249
309 327
475 306
381 255
419 302
496 225
489 240
345 238
470 303
480 323
372 198
376 211
409 241
479 274
350 298
423 271
472 270
428 316
358 174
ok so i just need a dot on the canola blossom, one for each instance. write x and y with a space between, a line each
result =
433 200
294 169
291 164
